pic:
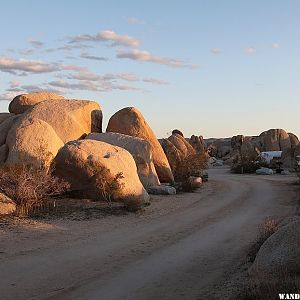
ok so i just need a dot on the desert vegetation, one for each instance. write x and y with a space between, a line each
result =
30 187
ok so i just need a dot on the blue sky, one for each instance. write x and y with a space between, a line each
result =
211 68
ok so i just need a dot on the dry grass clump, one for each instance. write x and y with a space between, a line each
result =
248 165
192 165
266 229
30 187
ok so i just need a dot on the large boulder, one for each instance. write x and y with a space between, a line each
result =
89 166
280 252
275 140
248 150
23 102
7 206
177 131
174 156
294 140
179 143
70 119
140 150
32 141
3 153
131 122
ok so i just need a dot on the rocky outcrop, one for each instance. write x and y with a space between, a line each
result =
280 252
294 140
248 150
174 156
21 103
90 166
7 206
275 140
140 150
198 143
32 141
131 122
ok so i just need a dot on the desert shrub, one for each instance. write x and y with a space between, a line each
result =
266 229
30 187
247 165
192 165
108 187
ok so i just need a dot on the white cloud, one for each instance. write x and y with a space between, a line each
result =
107 36
250 50
140 55
275 45
8 96
216 50
135 21
23 67
154 81
93 57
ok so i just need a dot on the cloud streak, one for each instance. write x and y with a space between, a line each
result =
23 67
113 38
145 56
93 57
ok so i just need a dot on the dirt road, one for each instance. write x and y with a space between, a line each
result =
189 246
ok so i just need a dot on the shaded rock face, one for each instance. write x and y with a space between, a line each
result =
219 147
177 131
5 127
5 116
184 147
294 140
140 150
249 150
173 155
7 206
280 252
81 164
131 122
237 141
21 103
198 143
32 141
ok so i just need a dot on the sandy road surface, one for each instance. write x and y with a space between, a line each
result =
189 246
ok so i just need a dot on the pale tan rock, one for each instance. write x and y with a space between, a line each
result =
179 144
131 122
81 164
198 143
23 102
140 150
70 119
7 206
32 141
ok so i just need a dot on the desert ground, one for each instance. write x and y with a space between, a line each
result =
184 246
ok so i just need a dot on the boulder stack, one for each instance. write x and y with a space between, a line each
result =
131 122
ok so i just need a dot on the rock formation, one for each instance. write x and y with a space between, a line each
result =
140 150
85 164
131 122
